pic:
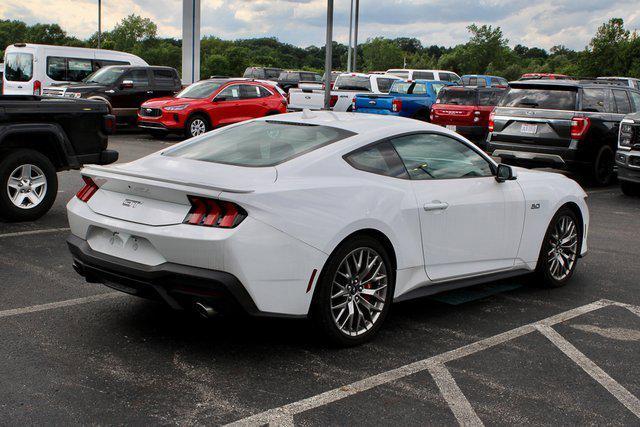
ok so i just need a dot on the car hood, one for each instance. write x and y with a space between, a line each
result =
165 102
78 87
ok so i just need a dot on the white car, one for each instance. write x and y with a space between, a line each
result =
410 74
322 214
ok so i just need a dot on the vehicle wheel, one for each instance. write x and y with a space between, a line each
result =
559 253
29 185
422 115
158 134
602 172
630 188
354 293
196 125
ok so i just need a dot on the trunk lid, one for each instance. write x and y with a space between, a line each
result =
154 190
373 102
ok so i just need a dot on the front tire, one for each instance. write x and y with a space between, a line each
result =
196 125
354 292
28 185
630 189
560 249
158 134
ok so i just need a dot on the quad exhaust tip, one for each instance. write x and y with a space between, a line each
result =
204 310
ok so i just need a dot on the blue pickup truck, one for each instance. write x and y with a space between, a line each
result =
405 99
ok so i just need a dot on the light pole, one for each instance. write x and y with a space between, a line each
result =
99 22
350 34
355 37
328 56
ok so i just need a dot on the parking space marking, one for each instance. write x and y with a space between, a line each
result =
457 401
59 304
615 388
286 412
32 232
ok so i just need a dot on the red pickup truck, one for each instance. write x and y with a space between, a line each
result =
466 110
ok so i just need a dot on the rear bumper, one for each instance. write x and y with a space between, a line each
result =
105 157
178 285
628 163
534 155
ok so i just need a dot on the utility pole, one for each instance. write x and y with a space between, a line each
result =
99 22
328 66
355 37
350 40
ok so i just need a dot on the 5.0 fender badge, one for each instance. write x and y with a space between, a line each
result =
130 203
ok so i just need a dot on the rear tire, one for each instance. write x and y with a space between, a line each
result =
560 250
630 189
28 185
602 169
354 292
196 125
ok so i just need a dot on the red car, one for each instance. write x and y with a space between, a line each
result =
466 110
207 104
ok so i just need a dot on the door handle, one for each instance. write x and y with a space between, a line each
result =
149 92
436 205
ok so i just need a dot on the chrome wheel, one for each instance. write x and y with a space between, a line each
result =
27 186
197 127
359 291
563 248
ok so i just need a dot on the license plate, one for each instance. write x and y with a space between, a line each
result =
452 127
528 128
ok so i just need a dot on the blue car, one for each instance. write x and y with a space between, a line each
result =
482 80
411 99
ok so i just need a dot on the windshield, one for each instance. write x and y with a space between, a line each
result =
18 67
550 99
457 97
105 76
349 82
261 143
200 90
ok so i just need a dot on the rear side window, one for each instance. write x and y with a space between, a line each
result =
259 144
474 81
635 96
380 159
308 77
544 98
264 92
384 84
423 75
488 97
457 97
229 93
271 73
18 67
140 78
165 78
622 101
593 100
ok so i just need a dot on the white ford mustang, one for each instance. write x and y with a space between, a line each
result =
326 215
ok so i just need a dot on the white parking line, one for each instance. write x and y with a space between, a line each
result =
286 412
32 232
457 401
615 388
59 304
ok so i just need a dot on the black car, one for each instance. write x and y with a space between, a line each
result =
291 79
123 87
567 124
262 73
40 136
628 155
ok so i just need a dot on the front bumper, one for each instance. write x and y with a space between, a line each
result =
168 121
628 163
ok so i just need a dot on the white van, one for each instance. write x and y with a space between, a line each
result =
30 67
442 75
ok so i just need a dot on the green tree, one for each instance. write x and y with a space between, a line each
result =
131 31
12 32
381 54
47 34
607 51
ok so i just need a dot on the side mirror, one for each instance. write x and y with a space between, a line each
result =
505 173
219 99
126 84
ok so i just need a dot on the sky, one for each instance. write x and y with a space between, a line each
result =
542 23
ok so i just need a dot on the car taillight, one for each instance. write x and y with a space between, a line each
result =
334 99
491 121
109 124
432 115
579 127
396 105
37 87
214 213
88 190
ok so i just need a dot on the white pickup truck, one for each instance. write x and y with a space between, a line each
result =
345 88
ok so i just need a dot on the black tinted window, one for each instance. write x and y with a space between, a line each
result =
139 78
264 92
99 63
381 159
272 74
165 78
622 101
433 156
308 77
249 91
593 99
422 75
57 68
18 67
488 97
457 97
349 82
551 99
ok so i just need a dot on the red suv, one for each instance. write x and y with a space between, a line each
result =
208 104
466 110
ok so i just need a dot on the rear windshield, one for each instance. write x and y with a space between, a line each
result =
457 97
408 88
200 90
261 143
399 73
18 67
352 83
549 99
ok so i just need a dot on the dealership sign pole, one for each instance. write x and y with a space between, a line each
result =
328 55
355 38
99 22
350 39
190 41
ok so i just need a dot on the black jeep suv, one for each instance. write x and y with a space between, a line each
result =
567 124
40 136
123 87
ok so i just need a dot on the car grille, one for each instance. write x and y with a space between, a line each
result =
150 112
635 138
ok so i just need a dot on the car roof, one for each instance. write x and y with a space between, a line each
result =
565 83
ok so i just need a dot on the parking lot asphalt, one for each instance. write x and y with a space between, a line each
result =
503 353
